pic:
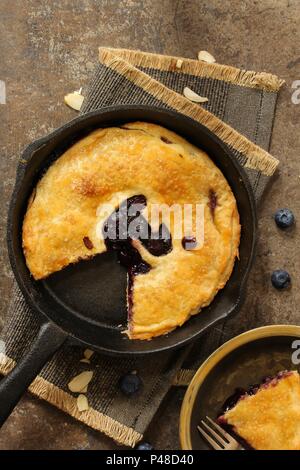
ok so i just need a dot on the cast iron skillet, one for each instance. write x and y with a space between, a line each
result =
86 302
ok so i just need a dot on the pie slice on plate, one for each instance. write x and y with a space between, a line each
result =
267 417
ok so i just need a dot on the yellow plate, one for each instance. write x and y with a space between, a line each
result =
241 362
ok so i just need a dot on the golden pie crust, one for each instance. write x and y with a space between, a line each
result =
269 419
60 225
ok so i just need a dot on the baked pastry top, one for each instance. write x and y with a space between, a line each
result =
268 416
150 164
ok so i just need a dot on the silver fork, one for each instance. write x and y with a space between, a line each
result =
217 437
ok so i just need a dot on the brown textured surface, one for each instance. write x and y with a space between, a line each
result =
49 49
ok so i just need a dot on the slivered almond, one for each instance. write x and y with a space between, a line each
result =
85 361
82 403
192 96
78 383
206 57
74 100
88 353
179 63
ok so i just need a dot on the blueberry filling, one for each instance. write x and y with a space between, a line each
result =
213 201
116 235
166 140
161 242
88 243
238 395
117 238
115 232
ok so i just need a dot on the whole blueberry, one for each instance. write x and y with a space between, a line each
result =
280 279
144 446
284 218
130 383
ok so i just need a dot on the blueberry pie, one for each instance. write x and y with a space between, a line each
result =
139 164
267 416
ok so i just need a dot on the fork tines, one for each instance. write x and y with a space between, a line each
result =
217 437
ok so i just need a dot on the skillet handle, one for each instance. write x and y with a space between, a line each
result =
12 387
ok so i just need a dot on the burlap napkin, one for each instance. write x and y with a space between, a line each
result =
241 106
